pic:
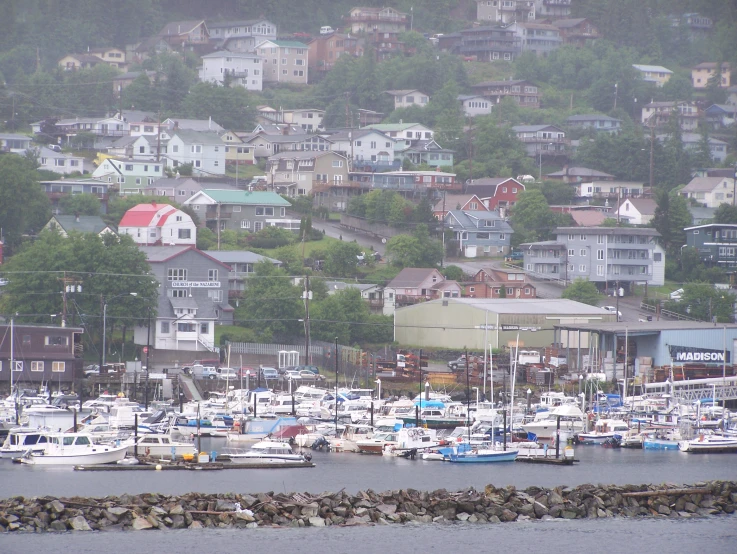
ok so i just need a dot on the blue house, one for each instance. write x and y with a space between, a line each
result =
479 233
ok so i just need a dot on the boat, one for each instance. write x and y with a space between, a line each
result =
660 440
346 442
545 424
410 440
377 443
709 443
604 429
74 449
160 446
267 451
20 440
466 455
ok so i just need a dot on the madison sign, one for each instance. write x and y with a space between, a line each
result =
685 354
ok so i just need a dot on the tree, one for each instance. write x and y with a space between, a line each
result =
341 259
582 290
80 204
670 219
725 213
704 302
453 273
416 250
532 218
232 107
24 208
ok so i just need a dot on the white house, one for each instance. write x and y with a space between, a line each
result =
204 150
309 119
710 191
636 211
408 97
362 145
158 225
245 69
473 105
57 161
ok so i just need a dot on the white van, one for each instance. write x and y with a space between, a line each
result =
326 30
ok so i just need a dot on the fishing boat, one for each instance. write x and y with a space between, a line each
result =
159 446
377 443
267 451
545 424
410 440
20 440
709 443
74 449
661 440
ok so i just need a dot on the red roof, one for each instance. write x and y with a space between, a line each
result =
143 214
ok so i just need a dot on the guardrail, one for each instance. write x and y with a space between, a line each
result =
667 313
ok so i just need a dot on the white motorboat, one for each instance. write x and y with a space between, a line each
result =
74 449
709 443
377 443
22 439
160 446
545 424
266 452
411 440
347 441
604 429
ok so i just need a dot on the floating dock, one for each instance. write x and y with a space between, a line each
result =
212 466
550 461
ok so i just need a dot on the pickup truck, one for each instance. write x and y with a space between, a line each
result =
460 363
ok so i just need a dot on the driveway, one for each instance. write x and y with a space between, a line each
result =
334 230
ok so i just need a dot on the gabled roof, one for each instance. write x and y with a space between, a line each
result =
485 84
283 43
534 128
203 125
160 254
403 92
304 155
711 65
197 137
412 277
239 257
580 172
393 127
357 134
567 23
703 184
176 28
143 215
486 187
592 117
451 201
651 68
469 219
587 218
646 206
82 223
229 54
243 197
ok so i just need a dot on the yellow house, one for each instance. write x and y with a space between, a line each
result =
114 57
703 73
237 152
656 74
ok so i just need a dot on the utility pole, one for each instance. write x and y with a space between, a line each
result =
307 296
158 138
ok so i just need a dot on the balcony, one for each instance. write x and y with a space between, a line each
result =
368 18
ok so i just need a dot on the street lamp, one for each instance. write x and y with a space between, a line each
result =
104 324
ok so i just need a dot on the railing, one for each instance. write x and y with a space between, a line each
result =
666 313
359 18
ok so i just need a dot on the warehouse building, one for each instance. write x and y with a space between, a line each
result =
472 323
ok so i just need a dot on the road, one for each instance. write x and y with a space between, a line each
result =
334 230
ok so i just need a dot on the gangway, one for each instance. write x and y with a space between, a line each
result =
720 388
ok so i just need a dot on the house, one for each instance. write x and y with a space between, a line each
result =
701 215
692 142
658 114
368 149
474 104
598 122
496 192
525 93
241 264
587 218
715 242
326 50
114 57
235 68
309 119
409 133
193 299
58 189
185 35
285 61
413 285
372 294
157 225
140 147
12 142
130 176
636 211
732 95
694 25
237 152
703 74
720 116
266 144
464 202
241 35
65 224
178 189
499 283
40 354
98 126
380 20
603 255
542 140
577 32
204 150
611 190
552 9
122 81
487 43
572 175
408 97
656 74
504 11
538 38
425 152
58 162
240 210
199 125
710 191
301 173
481 233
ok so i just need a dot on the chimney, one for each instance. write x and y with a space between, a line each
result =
209 122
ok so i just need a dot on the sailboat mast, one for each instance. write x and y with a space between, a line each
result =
514 379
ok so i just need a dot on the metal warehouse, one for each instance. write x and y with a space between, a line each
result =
475 322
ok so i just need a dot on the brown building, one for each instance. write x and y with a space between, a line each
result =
325 50
40 353
499 283
578 32
525 93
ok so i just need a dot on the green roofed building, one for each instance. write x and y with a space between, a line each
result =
241 210
285 61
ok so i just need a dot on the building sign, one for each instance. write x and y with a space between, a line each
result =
684 354
195 284
519 328
489 327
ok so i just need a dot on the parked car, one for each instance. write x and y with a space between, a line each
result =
269 373
92 369
227 373
307 375
311 368
204 371
54 147
292 375
250 372
613 309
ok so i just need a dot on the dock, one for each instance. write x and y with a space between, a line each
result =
550 461
211 466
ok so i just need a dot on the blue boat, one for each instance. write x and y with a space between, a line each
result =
467 455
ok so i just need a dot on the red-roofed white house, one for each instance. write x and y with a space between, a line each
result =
158 225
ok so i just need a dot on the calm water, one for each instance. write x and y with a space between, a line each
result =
359 472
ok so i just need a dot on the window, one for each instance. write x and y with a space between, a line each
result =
165 327
236 208
56 340
283 212
571 252
582 268
599 254
471 289
174 148
337 163
257 226
482 236
185 234
657 257
186 327
18 365
204 328
129 167
510 291
582 237
212 274
196 149
176 274
245 224
599 239
600 270
26 340
570 237
583 252
37 366
58 367
215 295
197 163
502 236
261 210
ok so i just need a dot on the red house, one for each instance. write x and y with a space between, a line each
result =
465 202
488 283
496 192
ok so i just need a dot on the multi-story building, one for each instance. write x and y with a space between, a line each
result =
410 133
240 68
299 173
15 143
525 93
598 122
715 242
482 233
505 11
656 74
408 97
239 210
602 255
496 192
113 57
241 35
542 140
56 190
157 225
204 150
500 283
539 38
658 114
577 32
193 298
711 192
131 176
326 50
309 119
365 147
285 61
474 104
383 20
702 75
488 43
242 266
552 9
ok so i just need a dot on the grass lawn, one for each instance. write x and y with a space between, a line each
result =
245 172
658 292
310 247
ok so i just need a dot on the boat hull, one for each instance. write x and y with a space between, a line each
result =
483 457
659 444
97 455
708 447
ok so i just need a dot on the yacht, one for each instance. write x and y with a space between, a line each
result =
22 439
267 452
160 446
604 429
74 449
347 441
709 443
545 424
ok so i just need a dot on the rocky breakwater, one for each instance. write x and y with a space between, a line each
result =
492 505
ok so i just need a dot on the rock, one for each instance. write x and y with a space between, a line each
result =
310 510
79 523
463 516
224 506
316 522
494 519
386 508
340 511
539 509
57 525
141 523
196 525
158 511
569 514
253 525
56 506
508 515
176 510
118 511
663 509
554 498
362 520
177 522
690 507
247 500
